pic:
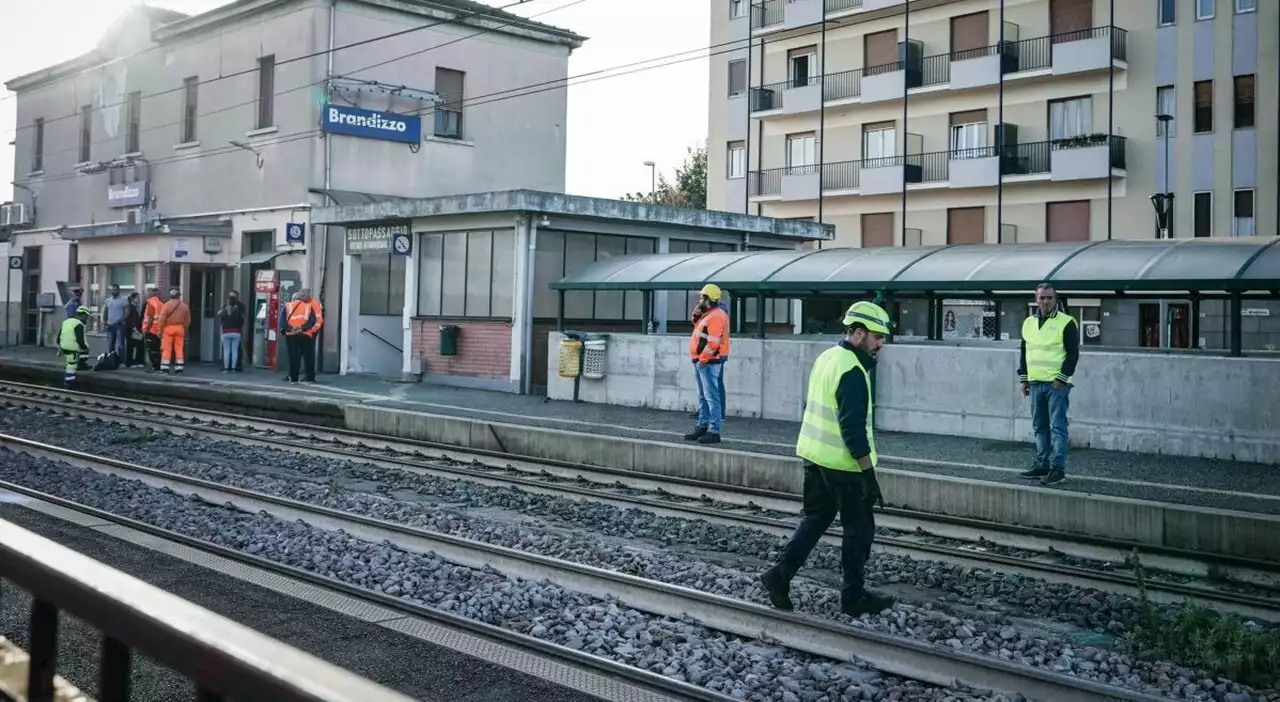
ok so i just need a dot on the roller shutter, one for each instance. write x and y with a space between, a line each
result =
966 225
1067 221
877 230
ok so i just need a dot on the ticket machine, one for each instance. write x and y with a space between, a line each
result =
271 289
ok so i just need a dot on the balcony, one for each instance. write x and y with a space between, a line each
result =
790 97
1069 53
1091 157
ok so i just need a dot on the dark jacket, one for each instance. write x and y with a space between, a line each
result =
1070 341
852 402
231 317
132 318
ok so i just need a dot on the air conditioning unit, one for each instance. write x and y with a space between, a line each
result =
135 215
14 214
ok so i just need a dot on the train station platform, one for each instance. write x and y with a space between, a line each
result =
1195 503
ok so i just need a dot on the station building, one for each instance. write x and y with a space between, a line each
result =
191 150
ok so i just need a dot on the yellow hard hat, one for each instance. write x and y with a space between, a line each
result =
870 315
711 291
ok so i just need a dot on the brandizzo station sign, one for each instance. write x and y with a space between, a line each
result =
372 124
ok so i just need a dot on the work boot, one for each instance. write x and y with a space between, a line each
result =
868 603
1035 473
709 438
695 434
1054 477
778 587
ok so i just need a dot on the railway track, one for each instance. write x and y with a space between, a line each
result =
889 654
1035 552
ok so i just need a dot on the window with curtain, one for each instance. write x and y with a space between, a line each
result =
737 77
1243 6
1242 213
1244 102
802 150
1203 115
879 142
1204 9
737 8
737 159
1071 117
1165 106
966 138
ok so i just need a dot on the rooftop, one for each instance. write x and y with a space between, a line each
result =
1219 264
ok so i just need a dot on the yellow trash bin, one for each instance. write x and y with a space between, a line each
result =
570 357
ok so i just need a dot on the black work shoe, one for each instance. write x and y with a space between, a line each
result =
695 434
1054 477
1034 473
778 588
868 603
709 438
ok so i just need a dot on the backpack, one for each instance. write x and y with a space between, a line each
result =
107 361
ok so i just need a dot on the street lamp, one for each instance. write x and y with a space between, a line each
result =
653 178
1163 202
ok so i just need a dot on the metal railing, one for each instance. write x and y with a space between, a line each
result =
842 5
766 182
224 660
935 70
767 13
841 175
842 85
772 96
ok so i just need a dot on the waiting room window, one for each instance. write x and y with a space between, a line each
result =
133 137
1165 12
266 91
1203 115
802 152
1070 117
190 93
1202 213
1243 6
737 158
382 285
1244 101
1204 9
737 77
737 9
1165 106
449 86
1242 213
879 141
86 133
122 276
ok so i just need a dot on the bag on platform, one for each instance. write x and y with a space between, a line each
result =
107 361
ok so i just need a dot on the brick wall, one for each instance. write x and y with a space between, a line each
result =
484 348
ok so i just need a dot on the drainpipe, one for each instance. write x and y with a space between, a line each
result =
905 52
1111 107
526 364
321 242
1000 137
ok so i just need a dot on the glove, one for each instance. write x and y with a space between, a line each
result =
872 488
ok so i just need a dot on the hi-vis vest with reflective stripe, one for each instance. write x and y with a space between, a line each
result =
820 441
1045 351
67 337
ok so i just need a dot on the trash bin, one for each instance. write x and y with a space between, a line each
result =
596 352
449 339
570 357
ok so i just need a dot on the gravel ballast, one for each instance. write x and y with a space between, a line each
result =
1060 627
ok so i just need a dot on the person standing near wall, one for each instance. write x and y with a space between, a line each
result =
708 348
838 446
1050 351
174 319
231 319
301 321
151 327
113 317
133 339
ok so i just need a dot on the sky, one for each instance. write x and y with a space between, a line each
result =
615 124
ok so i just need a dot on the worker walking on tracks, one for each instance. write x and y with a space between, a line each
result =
151 327
303 319
73 345
837 443
174 319
708 349
1050 351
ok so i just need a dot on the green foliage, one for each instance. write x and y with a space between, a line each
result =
688 190
1199 637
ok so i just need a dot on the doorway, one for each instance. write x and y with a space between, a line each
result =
1149 325
31 295
1179 325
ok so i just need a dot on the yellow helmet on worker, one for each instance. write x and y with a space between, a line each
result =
711 292
869 315
82 311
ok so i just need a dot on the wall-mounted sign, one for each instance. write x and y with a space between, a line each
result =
295 233
402 243
372 124
1256 312
212 244
373 239
181 249
15 263
127 194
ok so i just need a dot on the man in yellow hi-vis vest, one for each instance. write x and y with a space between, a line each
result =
837 443
1050 350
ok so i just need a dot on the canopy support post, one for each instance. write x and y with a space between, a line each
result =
646 318
1237 323
760 315
1195 320
560 311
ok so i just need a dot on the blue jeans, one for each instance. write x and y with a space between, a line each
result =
116 339
710 407
1049 421
230 349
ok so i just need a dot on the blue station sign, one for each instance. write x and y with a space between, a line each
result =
372 124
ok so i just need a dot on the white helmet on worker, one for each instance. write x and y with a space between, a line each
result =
869 315
711 292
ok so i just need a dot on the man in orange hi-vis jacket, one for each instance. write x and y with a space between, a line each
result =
173 321
708 347
151 327
303 319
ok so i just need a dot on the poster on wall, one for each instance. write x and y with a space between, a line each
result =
181 248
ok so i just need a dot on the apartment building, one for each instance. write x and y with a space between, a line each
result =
189 150
1000 121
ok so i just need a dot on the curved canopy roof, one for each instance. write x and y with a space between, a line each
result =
1207 265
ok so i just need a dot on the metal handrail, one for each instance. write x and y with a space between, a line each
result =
224 659
364 330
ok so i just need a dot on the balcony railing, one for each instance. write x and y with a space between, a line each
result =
935 70
772 96
768 13
842 85
841 175
767 182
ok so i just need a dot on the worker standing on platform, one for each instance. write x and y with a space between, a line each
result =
304 318
1050 351
698 310
174 319
73 345
708 348
151 327
837 443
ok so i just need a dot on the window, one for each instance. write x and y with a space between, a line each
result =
1204 9
123 277
1165 106
266 92
1165 12
468 274
1202 213
1243 113
969 140
802 66
190 92
1071 117
802 151
879 141
737 8
37 151
449 86
132 138
1203 115
737 77
149 274
737 158
382 285
86 132
1243 6
1242 213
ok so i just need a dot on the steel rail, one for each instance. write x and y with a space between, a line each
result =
1158 590
890 654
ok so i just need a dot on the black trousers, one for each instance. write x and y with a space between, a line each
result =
302 356
153 350
826 493
134 351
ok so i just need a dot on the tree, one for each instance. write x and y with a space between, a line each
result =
689 188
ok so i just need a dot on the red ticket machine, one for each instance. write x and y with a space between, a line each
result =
271 289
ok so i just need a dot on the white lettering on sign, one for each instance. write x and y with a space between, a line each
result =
124 192
371 121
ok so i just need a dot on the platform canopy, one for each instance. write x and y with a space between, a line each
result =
1206 265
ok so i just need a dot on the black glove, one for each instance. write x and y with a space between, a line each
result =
872 489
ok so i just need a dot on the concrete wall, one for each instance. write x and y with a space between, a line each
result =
1178 405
